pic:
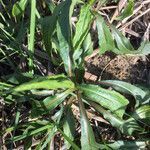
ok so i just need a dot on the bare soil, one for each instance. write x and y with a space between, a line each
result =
133 69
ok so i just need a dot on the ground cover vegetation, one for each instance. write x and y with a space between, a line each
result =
46 101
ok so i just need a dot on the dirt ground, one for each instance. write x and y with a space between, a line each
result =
133 69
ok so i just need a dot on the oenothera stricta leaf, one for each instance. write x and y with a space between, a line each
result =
128 10
19 7
87 136
4 86
111 100
127 88
144 49
50 82
143 114
69 125
127 127
49 103
125 145
43 144
82 27
123 45
64 34
106 41
50 126
48 25
74 146
87 46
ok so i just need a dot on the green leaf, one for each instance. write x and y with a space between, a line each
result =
82 28
106 41
87 46
19 7
142 114
127 127
105 98
127 88
127 11
144 49
51 5
5 86
69 126
50 135
74 146
32 132
125 145
49 103
64 34
50 82
123 44
18 78
48 25
87 136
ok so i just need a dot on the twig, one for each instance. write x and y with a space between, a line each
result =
121 4
133 20
134 12
108 7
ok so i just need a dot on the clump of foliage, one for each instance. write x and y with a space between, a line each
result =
51 97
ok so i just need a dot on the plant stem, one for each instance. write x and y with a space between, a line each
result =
32 35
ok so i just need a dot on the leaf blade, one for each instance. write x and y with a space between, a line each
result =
50 82
82 26
127 88
49 103
19 7
87 136
105 97
106 41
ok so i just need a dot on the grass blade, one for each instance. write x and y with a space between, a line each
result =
32 35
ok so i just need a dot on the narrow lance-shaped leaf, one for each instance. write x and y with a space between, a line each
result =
69 126
49 137
64 34
127 127
49 103
125 145
123 45
50 82
144 49
127 88
48 27
4 86
128 10
82 28
105 98
87 136
106 42
33 132
74 146
142 114
87 46
19 7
